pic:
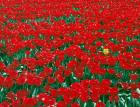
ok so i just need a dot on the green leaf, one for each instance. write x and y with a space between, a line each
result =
59 98
89 103
71 79
39 69
87 73
3 93
35 92
104 98
12 21
55 85
66 60
19 55
39 104
6 59
52 37
39 19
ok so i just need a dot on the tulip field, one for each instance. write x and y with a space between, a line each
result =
69 53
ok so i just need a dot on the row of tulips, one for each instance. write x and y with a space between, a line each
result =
66 53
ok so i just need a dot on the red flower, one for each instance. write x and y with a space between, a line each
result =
75 105
22 94
125 85
113 90
21 80
106 82
133 86
11 96
8 82
119 75
1 80
53 92
134 77
111 71
2 66
95 97
5 104
30 79
135 95
72 64
100 104
67 99
37 81
67 73
16 103
14 65
99 44
61 104
113 98
29 102
46 99
60 78
12 73
51 80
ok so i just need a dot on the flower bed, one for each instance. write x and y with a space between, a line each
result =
66 53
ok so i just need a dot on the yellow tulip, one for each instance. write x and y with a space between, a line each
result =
106 51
